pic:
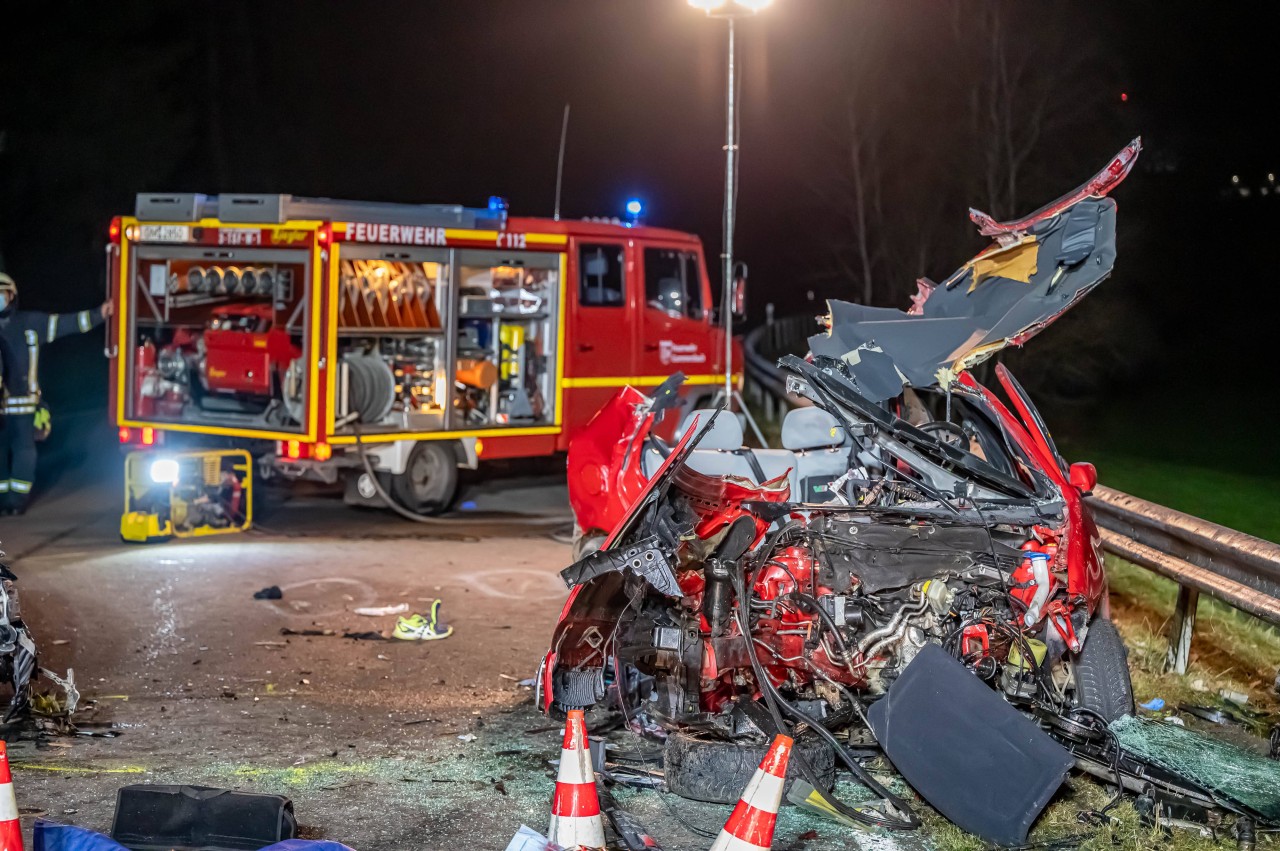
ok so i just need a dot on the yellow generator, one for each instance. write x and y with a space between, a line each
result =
186 494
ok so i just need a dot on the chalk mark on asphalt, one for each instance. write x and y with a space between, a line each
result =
516 583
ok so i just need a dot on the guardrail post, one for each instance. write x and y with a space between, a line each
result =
1184 622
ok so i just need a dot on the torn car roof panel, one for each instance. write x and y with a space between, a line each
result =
1027 278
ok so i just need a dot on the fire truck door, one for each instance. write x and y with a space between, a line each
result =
675 318
600 348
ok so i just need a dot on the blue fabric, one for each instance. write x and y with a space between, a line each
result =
51 836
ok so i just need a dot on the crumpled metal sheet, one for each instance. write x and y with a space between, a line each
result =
1247 778
1004 296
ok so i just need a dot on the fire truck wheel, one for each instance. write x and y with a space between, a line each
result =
429 480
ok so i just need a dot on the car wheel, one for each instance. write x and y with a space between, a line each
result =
1102 672
717 771
429 480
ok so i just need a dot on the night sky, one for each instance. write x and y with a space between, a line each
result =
456 101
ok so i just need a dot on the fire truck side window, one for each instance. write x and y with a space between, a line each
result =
600 278
693 284
672 283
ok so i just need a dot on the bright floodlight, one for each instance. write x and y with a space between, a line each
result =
717 5
164 471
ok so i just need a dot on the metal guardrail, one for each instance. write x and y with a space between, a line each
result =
766 385
1238 569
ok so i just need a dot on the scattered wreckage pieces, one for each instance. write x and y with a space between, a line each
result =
1242 780
633 835
382 611
941 727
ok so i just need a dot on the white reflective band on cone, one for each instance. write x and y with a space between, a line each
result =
726 841
577 831
8 803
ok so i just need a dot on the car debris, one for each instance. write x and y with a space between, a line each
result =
725 595
528 839
272 592
369 635
1232 696
633 835
382 611
938 721
19 666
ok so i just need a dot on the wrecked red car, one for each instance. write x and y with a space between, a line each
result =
736 591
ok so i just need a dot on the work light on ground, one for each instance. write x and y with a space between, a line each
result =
164 471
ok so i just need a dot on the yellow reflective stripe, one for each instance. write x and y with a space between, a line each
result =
4 487
637 380
18 409
20 486
52 332
86 321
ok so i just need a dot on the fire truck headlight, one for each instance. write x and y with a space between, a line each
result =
164 471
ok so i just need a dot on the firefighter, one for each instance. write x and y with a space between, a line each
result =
22 415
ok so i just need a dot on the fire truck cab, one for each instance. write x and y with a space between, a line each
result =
427 336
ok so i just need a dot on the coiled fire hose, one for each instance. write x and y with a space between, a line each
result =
506 521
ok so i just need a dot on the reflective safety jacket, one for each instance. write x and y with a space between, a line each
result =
22 333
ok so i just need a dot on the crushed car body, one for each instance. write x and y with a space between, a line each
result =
909 506
724 594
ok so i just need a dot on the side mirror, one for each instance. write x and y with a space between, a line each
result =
738 302
1084 476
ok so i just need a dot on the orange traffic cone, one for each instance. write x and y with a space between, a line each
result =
750 828
10 828
575 809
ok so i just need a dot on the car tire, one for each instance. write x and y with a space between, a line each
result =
717 771
1102 672
430 478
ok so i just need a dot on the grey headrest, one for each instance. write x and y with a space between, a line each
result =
811 428
725 432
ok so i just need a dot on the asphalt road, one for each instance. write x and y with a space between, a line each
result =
168 642
380 744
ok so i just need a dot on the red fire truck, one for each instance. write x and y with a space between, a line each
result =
434 336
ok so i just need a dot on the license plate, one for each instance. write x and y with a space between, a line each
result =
166 233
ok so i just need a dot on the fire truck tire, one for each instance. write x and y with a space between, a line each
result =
717 771
430 478
1102 672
